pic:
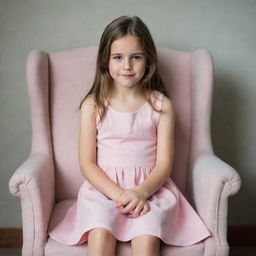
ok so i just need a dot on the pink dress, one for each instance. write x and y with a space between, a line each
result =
126 152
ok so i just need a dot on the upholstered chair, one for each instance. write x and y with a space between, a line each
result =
48 181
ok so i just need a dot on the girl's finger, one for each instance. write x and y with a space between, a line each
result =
136 211
118 205
130 214
122 203
129 207
144 210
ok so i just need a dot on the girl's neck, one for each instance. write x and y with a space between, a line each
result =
126 94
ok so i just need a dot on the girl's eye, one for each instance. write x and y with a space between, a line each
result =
136 57
117 57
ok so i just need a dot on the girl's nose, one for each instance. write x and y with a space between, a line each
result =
127 64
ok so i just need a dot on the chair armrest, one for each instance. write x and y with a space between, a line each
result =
33 182
211 181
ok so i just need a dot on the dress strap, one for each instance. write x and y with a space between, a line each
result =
157 98
97 119
98 115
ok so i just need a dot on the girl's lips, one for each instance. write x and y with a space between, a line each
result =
128 75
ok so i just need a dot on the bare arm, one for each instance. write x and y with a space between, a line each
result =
87 153
165 151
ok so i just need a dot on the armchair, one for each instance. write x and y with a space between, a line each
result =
48 181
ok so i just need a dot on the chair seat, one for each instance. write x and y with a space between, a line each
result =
54 248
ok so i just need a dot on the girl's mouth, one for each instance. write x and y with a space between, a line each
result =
127 76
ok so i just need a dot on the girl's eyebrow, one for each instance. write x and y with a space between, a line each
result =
141 53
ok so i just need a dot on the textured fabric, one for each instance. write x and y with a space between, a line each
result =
126 152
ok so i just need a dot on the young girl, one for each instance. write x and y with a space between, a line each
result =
126 148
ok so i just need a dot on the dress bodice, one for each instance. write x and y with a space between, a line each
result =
129 138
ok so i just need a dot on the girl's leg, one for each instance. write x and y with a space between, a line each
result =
145 245
101 243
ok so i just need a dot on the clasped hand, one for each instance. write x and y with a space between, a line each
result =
133 202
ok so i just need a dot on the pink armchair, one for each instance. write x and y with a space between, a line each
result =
48 181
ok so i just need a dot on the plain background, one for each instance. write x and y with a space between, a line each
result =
226 28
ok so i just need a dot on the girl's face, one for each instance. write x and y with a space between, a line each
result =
127 61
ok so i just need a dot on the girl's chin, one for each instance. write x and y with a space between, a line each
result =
125 86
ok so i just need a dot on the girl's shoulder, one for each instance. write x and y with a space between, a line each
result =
161 100
89 100
88 106
157 97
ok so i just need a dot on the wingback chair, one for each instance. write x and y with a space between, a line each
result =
49 179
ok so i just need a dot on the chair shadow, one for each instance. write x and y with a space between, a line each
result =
229 123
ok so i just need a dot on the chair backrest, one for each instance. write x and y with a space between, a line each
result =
70 76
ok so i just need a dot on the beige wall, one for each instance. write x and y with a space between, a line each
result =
225 27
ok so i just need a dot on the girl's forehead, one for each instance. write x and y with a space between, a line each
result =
127 43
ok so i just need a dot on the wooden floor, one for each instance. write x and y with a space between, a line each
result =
234 251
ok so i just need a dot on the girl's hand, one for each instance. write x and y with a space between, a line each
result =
134 214
133 202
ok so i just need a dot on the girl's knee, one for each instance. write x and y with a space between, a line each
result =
101 242
146 245
101 234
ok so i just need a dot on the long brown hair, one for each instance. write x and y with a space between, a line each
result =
151 80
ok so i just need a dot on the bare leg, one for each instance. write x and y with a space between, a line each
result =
145 245
101 243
